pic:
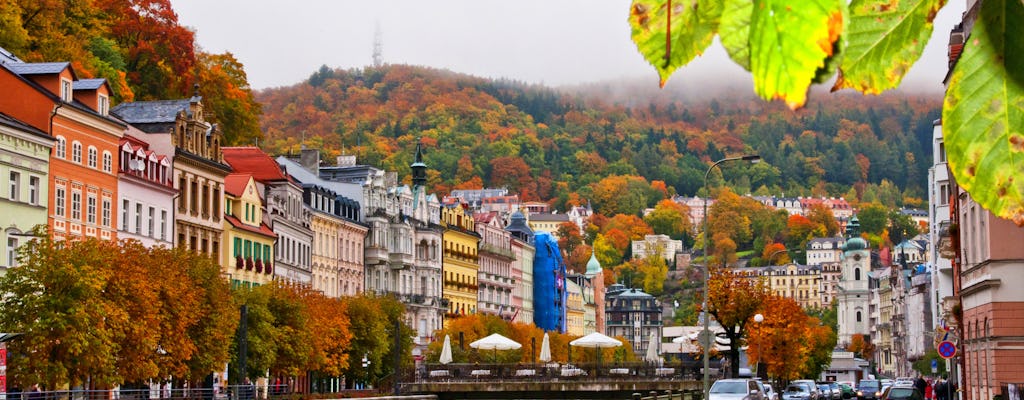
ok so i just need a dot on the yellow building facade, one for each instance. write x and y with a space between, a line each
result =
574 309
460 265
249 259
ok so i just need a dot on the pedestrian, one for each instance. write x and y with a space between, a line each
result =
34 393
248 390
920 384
928 392
940 389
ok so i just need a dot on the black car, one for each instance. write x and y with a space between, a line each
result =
869 389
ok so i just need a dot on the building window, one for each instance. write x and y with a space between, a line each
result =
61 147
104 104
92 157
163 224
90 209
106 212
138 218
76 152
12 252
858 316
65 90
76 205
942 152
125 207
108 162
59 200
15 192
151 221
33 190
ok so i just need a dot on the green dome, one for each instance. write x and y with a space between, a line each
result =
593 266
855 243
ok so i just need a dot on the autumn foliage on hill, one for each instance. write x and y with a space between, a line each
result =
559 146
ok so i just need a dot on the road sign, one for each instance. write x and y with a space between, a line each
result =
947 349
935 366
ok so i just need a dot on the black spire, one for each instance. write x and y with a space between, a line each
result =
419 169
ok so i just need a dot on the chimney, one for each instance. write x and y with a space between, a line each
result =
310 160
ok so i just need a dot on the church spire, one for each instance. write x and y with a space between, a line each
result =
419 169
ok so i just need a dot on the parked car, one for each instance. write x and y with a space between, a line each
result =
846 388
816 393
901 392
797 391
769 392
837 392
826 392
869 389
736 389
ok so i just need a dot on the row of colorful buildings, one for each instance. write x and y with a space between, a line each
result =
158 172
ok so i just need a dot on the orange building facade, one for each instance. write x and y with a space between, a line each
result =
83 177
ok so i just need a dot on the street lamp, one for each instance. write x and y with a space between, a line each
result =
758 318
753 159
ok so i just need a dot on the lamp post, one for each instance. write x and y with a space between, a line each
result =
707 270
758 318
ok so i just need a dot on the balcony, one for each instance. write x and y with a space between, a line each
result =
375 255
400 260
490 248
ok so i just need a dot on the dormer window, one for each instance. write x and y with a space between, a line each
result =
65 90
104 105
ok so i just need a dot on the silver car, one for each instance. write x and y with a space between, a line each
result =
736 389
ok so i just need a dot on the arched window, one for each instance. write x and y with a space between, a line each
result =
858 316
76 152
856 274
61 147
92 157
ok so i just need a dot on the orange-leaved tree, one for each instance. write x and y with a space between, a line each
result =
732 301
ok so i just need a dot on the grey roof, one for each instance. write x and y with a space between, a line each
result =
8 57
148 112
87 84
632 293
827 240
37 68
549 217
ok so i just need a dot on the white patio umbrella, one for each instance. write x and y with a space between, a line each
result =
446 351
596 340
495 342
652 350
545 349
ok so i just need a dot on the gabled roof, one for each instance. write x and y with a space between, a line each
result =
484 217
147 112
262 230
88 84
38 68
234 184
254 161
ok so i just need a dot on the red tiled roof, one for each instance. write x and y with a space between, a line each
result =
262 230
484 217
234 184
254 161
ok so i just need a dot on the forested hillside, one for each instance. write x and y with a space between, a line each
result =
563 146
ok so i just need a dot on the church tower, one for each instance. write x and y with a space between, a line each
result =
596 276
419 169
854 295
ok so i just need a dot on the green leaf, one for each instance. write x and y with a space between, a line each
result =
983 112
734 30
885 38
669 34
789 43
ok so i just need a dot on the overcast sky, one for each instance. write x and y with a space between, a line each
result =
553 42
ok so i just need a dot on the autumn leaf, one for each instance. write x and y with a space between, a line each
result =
885 38
984 111
788 44
734 30
669 34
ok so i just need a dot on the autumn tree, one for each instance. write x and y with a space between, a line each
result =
860 345
775 254
670 218
225 89
620 194
732 301
632 225
821 215
654 271
159 52
791 344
